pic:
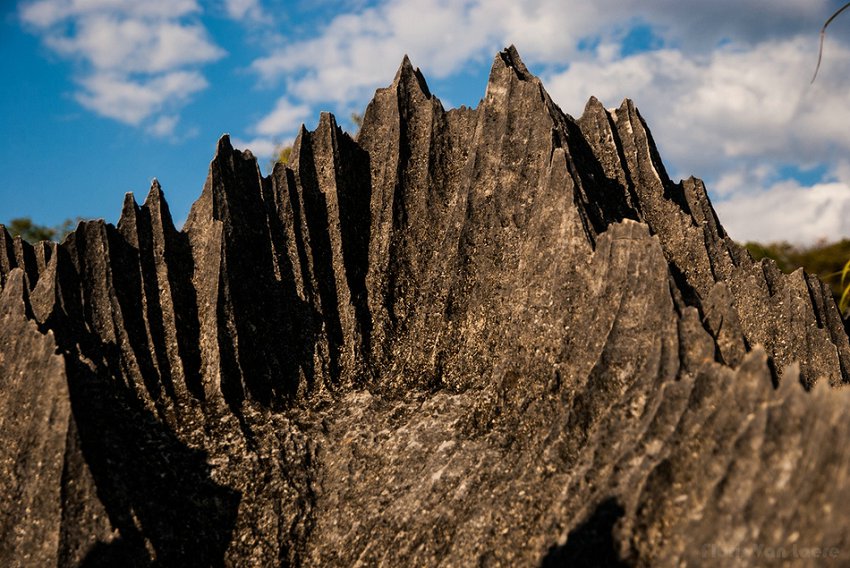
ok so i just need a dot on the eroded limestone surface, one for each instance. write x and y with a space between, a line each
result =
496 336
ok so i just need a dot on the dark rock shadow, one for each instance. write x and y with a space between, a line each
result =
591 544
157 491
355 226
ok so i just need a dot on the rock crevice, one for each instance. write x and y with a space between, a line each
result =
490 336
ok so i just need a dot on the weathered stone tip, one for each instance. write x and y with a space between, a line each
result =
509 58
155 197
408 75
326 119
627 105
154 193
129 205
224 145
593 106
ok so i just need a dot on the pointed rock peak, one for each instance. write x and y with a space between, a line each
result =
507 69
155 203
231 159
623 110
593 105
327 120
627 108
328 126
223 146
407 75
405 67
130 201
302 138
155 193
594 108
509 58
128 210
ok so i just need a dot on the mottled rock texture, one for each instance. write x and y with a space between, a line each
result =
480 337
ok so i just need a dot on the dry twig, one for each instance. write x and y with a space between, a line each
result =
823 34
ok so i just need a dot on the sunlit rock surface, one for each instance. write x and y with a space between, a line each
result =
479 337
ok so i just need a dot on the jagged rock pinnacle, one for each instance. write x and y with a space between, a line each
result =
491 336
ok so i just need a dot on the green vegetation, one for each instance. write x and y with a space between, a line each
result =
33 232
282 153
827 260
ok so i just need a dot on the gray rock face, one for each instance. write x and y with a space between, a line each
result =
495 336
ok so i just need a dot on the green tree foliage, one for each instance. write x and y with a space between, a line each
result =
827 260
33 232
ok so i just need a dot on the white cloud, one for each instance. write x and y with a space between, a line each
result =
356 51
788 212
135 59
726 94
276 130
132 101
164 126
736 179
135 45
286 117
260 147
46 13
245 10
737 116
731 103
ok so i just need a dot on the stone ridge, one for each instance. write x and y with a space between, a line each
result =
490 336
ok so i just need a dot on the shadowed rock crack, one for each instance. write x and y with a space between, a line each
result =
472 337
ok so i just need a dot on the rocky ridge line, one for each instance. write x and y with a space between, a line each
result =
479 336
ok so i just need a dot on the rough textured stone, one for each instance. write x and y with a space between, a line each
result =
495 336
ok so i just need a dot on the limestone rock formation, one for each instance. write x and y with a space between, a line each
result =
497 336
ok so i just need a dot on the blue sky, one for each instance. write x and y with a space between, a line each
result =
101 96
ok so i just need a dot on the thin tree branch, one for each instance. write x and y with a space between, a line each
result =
823 35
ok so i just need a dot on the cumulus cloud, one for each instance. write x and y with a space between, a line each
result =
132 101
244 10
164 126
356 50
276 130
738 116
135 59
286 117
46 13
788 212
111 43
724 85
732 103
262 147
